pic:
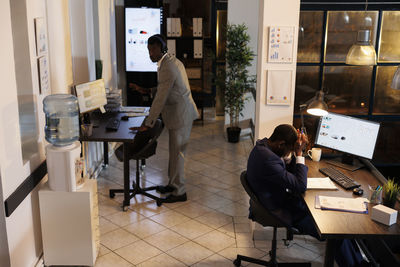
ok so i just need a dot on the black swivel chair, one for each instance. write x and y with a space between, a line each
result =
144 146
262 216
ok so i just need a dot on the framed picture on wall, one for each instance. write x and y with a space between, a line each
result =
279 87
41 37
43 70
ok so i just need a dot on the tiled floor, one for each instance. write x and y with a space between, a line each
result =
207 230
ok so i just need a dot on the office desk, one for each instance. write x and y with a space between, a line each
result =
123 134
333 225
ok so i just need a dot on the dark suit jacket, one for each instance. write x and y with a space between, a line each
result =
277 186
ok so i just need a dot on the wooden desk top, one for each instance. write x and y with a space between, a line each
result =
336 224
123 134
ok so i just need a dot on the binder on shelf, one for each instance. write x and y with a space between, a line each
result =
178 27
171 44
169 27
197 48
199 27
173 27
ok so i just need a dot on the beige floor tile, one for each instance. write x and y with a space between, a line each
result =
295 253
241 219
163 260
166 240
244 240
169 218
117 239
124 218
214 219
228 229
112 260
196 193
109 207
215 241
242 227
231 194
214 261
190 253
191 229
106 226
234 209
148 208
144 228
193 210
103 251
138 252
231 253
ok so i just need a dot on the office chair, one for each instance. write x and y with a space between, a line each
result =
262 216
144 146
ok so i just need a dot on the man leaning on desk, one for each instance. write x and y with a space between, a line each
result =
173 100
277 174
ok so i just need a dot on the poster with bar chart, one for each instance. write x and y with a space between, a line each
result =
280 44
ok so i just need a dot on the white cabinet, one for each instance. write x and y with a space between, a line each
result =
70 225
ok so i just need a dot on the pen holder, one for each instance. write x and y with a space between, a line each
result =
374 196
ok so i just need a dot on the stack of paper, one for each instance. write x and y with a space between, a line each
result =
321 183
357 205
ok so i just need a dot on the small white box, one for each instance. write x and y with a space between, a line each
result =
384 214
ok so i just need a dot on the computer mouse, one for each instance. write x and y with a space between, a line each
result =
358 191
125 118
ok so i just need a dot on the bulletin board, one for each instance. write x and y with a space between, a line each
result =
279 87
280 44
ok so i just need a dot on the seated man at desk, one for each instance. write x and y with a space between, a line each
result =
277 174
173 99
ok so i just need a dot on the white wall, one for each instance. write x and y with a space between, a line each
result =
274 13
239 12
23 226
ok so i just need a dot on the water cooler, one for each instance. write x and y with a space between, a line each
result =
64 163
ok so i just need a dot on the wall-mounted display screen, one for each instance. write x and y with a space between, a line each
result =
140 24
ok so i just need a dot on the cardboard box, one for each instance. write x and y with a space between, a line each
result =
384 214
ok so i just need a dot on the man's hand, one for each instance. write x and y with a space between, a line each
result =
300 144
138 88
140 129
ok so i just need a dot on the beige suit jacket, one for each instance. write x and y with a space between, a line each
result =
173 98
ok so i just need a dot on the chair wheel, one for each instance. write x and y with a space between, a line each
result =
124 208
112 194
159 203
237 262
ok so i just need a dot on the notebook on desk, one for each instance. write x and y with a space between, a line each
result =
357 205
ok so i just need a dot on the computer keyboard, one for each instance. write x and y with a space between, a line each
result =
112 124
339 178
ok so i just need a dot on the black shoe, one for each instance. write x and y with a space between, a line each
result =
173 198
164 189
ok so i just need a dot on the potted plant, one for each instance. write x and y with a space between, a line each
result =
237 79
390 192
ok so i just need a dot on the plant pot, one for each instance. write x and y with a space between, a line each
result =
389 202
233 134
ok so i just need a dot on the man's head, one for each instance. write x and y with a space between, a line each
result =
157 47
283 139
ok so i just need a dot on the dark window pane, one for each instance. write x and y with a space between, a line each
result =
307 84
389 49
222 16
310 36
342 27
386 100
348 88
387 147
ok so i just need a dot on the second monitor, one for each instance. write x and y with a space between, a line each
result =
347 134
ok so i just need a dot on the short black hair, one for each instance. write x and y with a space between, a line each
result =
284 132
160 40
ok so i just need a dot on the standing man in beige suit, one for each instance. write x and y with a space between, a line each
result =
173 100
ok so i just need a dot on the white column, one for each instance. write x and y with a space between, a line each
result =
82 40
274 13
59 46
108 50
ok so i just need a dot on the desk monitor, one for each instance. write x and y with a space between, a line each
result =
91 96
347 134
140 24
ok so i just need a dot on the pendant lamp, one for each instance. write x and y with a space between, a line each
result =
396 79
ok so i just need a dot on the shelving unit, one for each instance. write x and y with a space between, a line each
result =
70 225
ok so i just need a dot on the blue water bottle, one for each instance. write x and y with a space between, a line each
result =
62 119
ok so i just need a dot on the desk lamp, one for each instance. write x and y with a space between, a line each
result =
314 106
